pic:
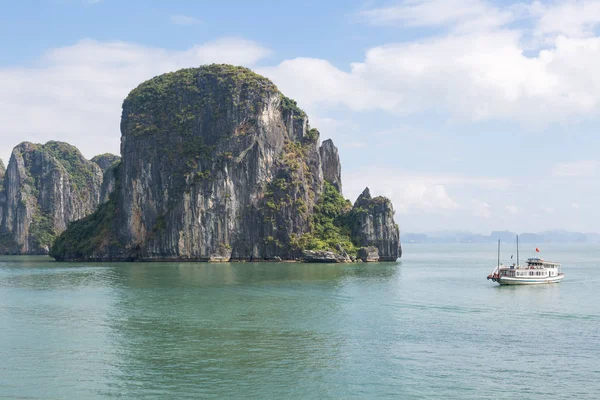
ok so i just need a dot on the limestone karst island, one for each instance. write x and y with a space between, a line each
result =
216 165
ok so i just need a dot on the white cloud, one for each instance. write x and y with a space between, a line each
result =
573 18
75 93
576 168
462 14
423 197
184 20
474 77
411 192
470 72
314 81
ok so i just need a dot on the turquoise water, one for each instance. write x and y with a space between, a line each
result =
428 327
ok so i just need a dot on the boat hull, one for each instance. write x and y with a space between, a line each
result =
528 281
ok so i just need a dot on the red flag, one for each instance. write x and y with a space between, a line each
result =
537 250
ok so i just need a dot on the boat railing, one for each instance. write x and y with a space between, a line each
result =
527 267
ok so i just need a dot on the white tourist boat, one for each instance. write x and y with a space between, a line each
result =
536 271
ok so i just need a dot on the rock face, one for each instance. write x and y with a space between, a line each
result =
374 225
332 169
109 163
368 254
109 181
324 256
3 237
105 160
45 187
216 165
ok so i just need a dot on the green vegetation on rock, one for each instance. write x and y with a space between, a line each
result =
106 160
290 107
158 100
87 235
80 171
7 243
42 229
331 225
288 187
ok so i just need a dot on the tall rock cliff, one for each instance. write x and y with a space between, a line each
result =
109 181
109 164
373 225
216 164
332 168
3 238
45 187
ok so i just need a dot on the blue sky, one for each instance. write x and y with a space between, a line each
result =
469 114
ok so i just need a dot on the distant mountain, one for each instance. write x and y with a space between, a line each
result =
554 236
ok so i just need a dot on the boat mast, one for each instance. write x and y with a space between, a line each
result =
517 250
498 257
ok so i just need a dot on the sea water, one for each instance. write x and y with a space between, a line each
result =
430 326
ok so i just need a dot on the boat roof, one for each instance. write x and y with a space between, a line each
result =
536 260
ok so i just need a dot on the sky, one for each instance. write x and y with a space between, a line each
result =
469 114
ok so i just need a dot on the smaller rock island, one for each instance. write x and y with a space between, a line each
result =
44 188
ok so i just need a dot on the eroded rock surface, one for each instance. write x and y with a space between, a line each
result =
332 168
374 225
45 187
368 254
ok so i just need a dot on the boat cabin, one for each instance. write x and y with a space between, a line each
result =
535 268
